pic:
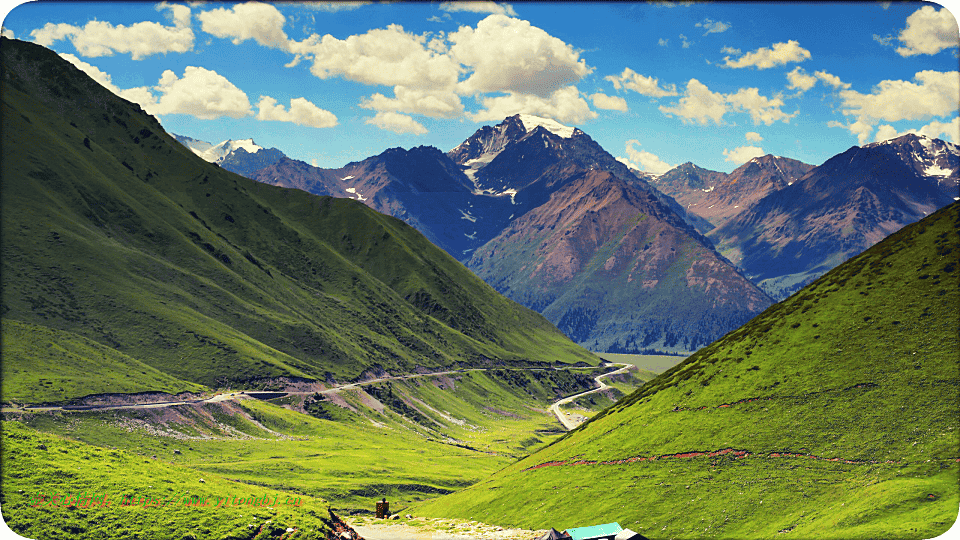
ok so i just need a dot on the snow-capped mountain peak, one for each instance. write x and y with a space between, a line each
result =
531 122
215 153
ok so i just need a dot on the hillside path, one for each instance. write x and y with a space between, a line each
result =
248 394
570 421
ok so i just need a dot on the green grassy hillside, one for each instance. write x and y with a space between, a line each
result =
58 488
117 234
833 414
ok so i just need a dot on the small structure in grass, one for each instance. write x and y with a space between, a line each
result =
607 531
383 509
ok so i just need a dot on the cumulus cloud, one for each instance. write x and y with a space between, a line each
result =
565 105
397 123
700 105
761 109
643 160
301 112
831 80
388 56
928 31
6 32
663 42
437 104
935 129
511 55
742 154
330 7
764 58
610 103
647 86
933 94
260 22
800 80
753 136
713 27
479 7
142 39
201 92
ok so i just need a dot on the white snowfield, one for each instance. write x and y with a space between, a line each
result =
530 122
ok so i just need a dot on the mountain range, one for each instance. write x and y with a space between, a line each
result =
549 218
835 211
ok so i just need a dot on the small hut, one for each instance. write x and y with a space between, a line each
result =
607 531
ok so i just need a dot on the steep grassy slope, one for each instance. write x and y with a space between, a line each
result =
118 234
58 488
44 365
833 414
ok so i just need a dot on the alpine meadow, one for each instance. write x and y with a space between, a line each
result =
474 270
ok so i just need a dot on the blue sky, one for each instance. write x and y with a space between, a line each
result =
656 84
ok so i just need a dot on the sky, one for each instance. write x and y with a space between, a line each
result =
657 84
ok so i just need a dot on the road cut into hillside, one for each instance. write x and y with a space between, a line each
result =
237 395
570 421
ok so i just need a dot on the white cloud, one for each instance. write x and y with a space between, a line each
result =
479 7
684 43
301 112
610 103
397 123
99 38
762 110
511 55
885 41
643 160
935 129
260 22
753 136
647 86
800 80
713 27
934 94
742 154
663 42
201 93
564 105
928 31
331 7
729 50
6 32
437 104
389 56
831 80
764 58
702 106
699 104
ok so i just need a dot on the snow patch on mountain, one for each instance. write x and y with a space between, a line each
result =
531 122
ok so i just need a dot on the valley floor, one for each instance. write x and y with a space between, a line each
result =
437 529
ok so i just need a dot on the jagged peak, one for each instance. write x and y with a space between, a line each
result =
531 122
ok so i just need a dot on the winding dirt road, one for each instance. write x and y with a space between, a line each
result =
571 421
248 394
